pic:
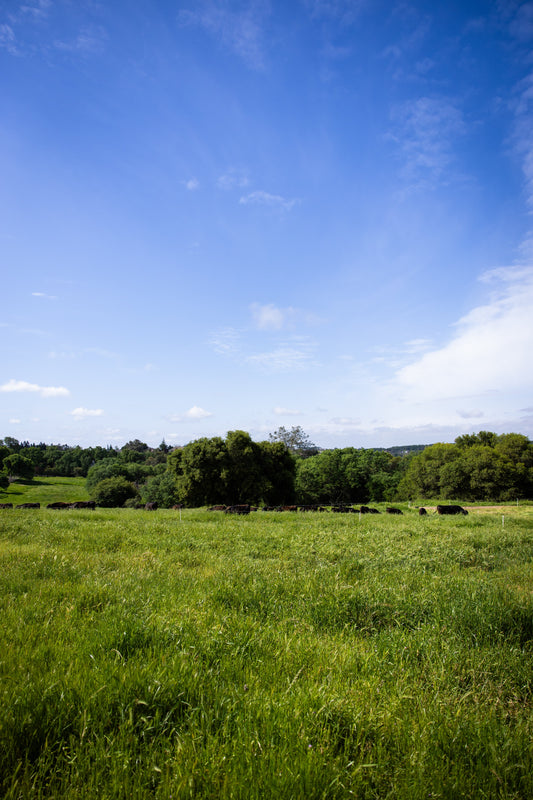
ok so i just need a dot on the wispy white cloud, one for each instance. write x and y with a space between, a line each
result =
274 201
240 30
286 412
90 39
233 178
226 342
345 422
14 421
44 295
8 40
83 413
425 131
341 11
37 10
286 357
23 386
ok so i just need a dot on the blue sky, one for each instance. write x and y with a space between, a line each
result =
219 215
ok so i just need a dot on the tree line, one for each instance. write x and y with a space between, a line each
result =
287 468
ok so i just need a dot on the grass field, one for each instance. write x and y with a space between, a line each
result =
270 656
45 490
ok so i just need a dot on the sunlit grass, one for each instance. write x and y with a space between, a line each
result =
272 656
45 490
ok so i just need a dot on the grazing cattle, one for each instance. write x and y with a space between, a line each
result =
90 504
422 512
6 505
451 510
289 508
28 505
239 509
58 505
216 508
393 511
177 507
367 510
150 507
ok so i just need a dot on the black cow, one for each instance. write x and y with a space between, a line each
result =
239 509
451 510
422 512
367 510
393 511
6 505
58 505
90 504
28 505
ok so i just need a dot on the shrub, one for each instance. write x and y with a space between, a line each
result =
113 492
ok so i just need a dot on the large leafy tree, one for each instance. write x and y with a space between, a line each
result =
232 470
17 466
296 440
480 466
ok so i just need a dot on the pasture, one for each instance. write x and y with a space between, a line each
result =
45 490
269 656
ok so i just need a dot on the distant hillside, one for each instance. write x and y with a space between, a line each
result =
404 450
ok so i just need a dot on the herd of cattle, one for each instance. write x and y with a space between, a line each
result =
338 509
246 509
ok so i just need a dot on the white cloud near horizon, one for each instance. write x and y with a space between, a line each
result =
279 411
491 351
23 386
83 413
192 415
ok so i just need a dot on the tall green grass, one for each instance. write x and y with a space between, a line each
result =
273 656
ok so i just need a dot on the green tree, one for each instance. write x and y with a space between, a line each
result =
113 492
199 469
107 468
19 467
296 440
161 489
135 445
423 476
243 474
278 468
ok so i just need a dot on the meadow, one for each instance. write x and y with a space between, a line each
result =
270 656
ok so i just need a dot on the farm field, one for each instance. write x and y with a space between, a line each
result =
269 656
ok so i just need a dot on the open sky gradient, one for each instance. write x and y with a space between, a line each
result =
218 214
